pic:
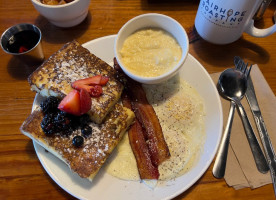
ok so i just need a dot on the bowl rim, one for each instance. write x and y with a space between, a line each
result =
166 75
37 2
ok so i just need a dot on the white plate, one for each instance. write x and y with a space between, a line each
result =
105 186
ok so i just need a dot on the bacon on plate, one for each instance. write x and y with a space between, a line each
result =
139 147
146 115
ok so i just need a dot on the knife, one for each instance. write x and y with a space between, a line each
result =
269 151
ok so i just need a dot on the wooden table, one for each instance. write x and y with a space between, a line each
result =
21 174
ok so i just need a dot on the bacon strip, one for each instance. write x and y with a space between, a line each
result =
146 115
139 147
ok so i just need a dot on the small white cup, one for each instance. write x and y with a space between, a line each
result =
152 20
224 21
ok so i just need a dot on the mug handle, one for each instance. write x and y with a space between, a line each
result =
253 31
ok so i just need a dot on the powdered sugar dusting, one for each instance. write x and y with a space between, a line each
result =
69 71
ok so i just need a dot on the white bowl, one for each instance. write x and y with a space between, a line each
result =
66 15
152 20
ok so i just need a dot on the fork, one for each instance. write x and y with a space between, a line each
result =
259 157
220 162
241 66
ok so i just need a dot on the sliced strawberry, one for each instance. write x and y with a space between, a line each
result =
104 80
85 101
96 90
95 80
89 84
71 103
82 87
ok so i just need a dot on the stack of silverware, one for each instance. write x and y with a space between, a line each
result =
233 84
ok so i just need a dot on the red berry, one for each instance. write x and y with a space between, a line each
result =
96 91
89 84
85 101
71 103
104 80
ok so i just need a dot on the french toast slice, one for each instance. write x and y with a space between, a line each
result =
87 160
74 62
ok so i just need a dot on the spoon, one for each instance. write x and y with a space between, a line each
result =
220 162
221 158
232 85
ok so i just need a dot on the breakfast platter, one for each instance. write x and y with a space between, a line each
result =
105 186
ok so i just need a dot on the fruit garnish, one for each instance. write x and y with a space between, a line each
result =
84 120
85 101
78 141
63 123
89 84
104 80
50 104
76 103
47 124
96 90
71 103
86 131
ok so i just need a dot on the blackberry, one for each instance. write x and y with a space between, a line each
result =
84 120
78 141
67 132
75 122
47 124
50 104
63 122
79 121
86 131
